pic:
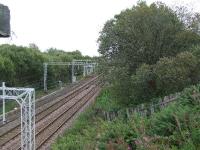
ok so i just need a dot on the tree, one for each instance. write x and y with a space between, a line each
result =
7 70
190 19
23 66
173 74
33 46
142 35
168 75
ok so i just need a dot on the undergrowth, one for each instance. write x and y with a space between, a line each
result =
175 127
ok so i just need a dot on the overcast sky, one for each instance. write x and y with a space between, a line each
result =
67 24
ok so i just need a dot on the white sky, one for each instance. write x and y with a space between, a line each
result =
67 24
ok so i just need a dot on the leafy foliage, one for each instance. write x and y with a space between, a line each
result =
7 69
143 84
149 35
175 127
168 75
144 34
22 66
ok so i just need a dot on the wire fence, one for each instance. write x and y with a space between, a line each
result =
142 109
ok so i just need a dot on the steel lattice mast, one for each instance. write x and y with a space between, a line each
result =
25 97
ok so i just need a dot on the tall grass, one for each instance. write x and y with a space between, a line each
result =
175 127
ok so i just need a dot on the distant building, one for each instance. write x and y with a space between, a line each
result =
4 21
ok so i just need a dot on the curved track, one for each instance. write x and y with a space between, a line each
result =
13 115
53 116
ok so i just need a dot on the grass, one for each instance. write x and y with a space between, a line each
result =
9 105
176 127
74 138
12 104
90 131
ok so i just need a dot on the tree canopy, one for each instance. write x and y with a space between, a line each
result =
23 66
143 35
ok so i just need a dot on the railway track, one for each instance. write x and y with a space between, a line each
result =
53 116
41 112
13 115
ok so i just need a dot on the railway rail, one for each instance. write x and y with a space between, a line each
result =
13 115
52 116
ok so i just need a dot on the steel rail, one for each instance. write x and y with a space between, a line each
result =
69 96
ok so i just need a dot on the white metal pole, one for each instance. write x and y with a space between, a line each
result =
45 77
22 133
33 101
90 70
3 89
72 71
30 116
87 70
84 71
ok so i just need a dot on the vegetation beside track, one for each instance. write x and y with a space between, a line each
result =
147 52
150 51
23 67
138 70
175 127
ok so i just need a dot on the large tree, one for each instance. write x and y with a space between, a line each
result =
142 34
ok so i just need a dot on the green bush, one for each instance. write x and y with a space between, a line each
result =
7 70
174 74
176 127
165 123
149 34
179 123
23 66
120 81
168 75
143 84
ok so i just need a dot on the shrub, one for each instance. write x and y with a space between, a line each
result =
7 70
143 84
168 75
